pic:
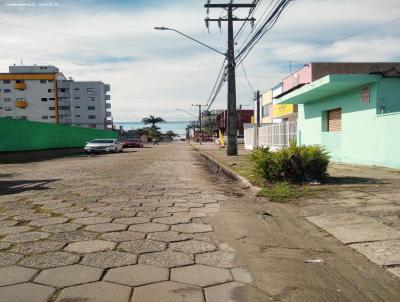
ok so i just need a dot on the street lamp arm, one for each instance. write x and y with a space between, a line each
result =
193 39
187 112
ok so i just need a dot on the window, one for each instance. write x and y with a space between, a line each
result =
77 116
49 90
7 108
21 99
52 108
45 117
42 81
334 120
91 108
90 90
64 108
91 117
63 90
92 126
52 99
91 99
266 110
44 99
19 81
77 98
6 82
77 107
50 81
7 100
77 89
22 117
7 90
53 116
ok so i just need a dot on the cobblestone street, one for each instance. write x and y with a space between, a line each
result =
124 227
159 224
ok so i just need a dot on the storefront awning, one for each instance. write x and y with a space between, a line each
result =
327 86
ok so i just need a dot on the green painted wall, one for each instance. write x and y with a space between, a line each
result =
21 135
367 137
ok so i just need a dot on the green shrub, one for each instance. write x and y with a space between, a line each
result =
293 164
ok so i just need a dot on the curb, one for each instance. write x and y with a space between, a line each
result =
228 171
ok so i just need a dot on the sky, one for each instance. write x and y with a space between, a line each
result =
156 72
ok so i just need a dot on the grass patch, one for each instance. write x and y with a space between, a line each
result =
283 192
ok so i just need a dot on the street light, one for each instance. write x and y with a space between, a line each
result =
186 112
193 39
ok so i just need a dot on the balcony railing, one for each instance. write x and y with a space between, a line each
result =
21 104
108 114
108 97
20 86
108 106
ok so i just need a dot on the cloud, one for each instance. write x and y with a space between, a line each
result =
154 72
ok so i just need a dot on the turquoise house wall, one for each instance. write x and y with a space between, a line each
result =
367 137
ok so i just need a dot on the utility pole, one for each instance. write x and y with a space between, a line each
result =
231 106
258 121
258 100
200 106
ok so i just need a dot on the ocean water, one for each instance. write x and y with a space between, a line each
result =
177 127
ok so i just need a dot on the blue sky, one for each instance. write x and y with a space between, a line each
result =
153 72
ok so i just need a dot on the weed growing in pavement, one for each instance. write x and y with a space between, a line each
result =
283 191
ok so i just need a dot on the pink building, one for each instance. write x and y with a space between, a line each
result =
314 71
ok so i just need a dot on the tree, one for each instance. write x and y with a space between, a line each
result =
153 121
170 135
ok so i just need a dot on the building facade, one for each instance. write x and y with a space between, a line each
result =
356 117
44 94
242 117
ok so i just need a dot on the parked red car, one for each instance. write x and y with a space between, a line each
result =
132 143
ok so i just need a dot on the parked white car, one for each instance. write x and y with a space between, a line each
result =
104 145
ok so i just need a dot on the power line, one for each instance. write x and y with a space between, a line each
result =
247 79
267 24
216 82
250 15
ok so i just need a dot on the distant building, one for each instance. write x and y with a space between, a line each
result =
242 117
44 94
209 120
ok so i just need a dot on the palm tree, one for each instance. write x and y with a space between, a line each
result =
152 120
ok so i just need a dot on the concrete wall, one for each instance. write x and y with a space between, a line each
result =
20 135
366 137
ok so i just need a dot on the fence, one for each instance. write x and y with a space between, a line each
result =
270 135
22 135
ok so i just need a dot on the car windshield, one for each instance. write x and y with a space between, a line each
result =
102 141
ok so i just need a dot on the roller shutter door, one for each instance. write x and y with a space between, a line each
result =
335 120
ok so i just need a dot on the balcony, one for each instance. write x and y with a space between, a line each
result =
20 86
108 114
21 104
108 97
64 103
107 87
108 106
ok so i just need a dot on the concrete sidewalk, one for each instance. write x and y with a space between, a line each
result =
360 206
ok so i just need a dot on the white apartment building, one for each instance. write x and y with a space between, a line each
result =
44 94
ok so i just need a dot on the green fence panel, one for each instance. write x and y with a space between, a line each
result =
21 135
